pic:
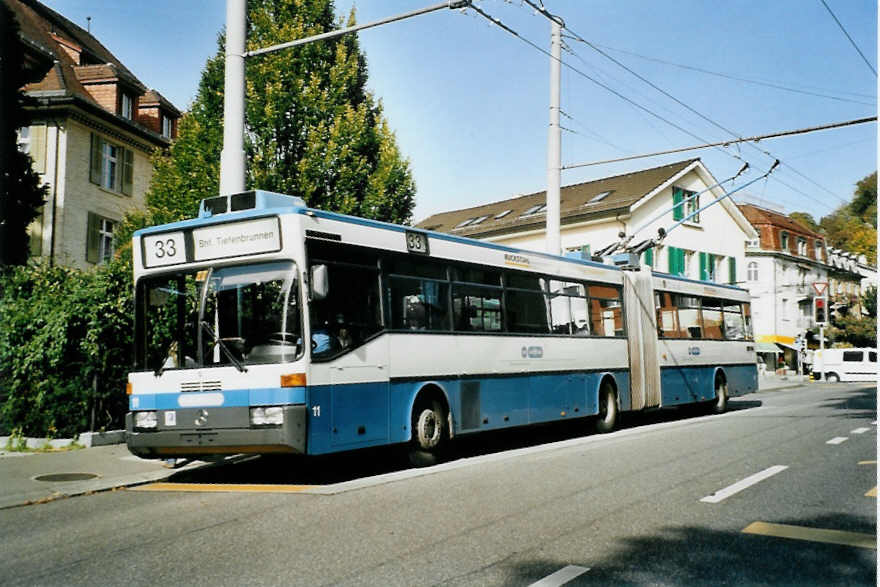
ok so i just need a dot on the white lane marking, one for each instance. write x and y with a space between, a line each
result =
859 431
561 577
837 440
744 484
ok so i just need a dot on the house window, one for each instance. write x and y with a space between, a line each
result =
802 246
501 215
783 240
126 106
599 197
708 263
536 209
818 250
166 127
99 241
479 219
677 261
24 139
112 166
685 203
753 271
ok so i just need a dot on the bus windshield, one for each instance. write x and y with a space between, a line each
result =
240 315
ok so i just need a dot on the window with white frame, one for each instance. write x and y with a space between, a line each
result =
752 273
802 246
126 106
783 240
112 166
99 241
166 127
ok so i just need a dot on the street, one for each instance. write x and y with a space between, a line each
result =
779 490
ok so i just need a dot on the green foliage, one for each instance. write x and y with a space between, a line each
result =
65 346
869 301
21 194
853 227
806 220
313 129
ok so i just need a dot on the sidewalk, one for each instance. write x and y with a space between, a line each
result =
776 382
73 472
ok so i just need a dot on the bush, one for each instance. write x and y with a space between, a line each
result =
65 346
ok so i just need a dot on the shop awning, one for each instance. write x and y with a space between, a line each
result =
766 347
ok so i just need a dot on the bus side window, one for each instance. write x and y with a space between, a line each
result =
667 316
689 316
606 311
712 318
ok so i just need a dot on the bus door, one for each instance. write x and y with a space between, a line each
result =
641 333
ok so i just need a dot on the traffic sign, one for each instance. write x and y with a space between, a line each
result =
821 287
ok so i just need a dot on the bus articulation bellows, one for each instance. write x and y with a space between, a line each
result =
265 326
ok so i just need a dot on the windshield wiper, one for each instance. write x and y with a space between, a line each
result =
219 342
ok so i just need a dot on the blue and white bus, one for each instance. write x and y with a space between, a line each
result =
265 326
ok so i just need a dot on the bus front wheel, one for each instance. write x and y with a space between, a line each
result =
607 409
429 435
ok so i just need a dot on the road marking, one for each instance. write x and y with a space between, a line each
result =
859 430
223 488
744 484
872 493
812 534
867 462
561 577
837 440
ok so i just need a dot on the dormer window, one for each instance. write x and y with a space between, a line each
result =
802 246
536 209
783 240
126 106
166 127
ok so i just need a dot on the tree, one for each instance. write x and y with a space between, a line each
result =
853 226
805 219
313 129
21 194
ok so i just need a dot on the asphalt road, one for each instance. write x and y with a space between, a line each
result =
665 500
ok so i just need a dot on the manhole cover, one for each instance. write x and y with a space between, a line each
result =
57 477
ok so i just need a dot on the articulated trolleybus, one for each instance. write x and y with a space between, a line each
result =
265 326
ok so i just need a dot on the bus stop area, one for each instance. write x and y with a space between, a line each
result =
38 476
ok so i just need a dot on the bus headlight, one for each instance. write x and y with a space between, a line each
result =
145 419
271 416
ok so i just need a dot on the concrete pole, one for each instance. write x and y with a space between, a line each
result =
554 142
232 164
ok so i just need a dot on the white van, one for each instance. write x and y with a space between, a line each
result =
846 364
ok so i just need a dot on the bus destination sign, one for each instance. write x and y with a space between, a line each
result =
235 239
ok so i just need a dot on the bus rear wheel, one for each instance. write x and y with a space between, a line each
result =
719 404
607 419
429 434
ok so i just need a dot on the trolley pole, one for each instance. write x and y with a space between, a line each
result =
554 141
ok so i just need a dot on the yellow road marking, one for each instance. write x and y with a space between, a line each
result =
867 462
872 493
812 534
223 488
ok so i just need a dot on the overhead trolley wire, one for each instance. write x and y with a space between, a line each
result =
579 38
856 47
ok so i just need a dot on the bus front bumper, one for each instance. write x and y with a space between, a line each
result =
226 432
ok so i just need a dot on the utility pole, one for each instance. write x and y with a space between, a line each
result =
232 167
554 141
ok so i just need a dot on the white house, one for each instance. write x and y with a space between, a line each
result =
708 247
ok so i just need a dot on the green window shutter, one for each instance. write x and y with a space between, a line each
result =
649 257
95 160
704 266
731 266
678 210
92 238
127 170
671 252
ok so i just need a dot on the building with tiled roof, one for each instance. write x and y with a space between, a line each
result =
786 267
710 246
94 128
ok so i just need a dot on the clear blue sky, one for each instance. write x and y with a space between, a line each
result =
469 102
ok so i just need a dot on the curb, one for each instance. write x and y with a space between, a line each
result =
86 440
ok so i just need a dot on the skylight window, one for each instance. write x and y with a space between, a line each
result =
478 219
464 223
501 215
599 197
536 209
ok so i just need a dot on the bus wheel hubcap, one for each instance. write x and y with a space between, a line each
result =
428 430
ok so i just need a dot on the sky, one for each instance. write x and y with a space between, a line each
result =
469 101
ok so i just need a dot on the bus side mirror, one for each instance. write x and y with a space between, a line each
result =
319 281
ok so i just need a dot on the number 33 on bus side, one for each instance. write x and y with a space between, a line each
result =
417 242
164 249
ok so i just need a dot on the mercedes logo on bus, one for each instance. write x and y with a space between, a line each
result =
202 419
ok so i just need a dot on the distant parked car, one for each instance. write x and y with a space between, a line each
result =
846 364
